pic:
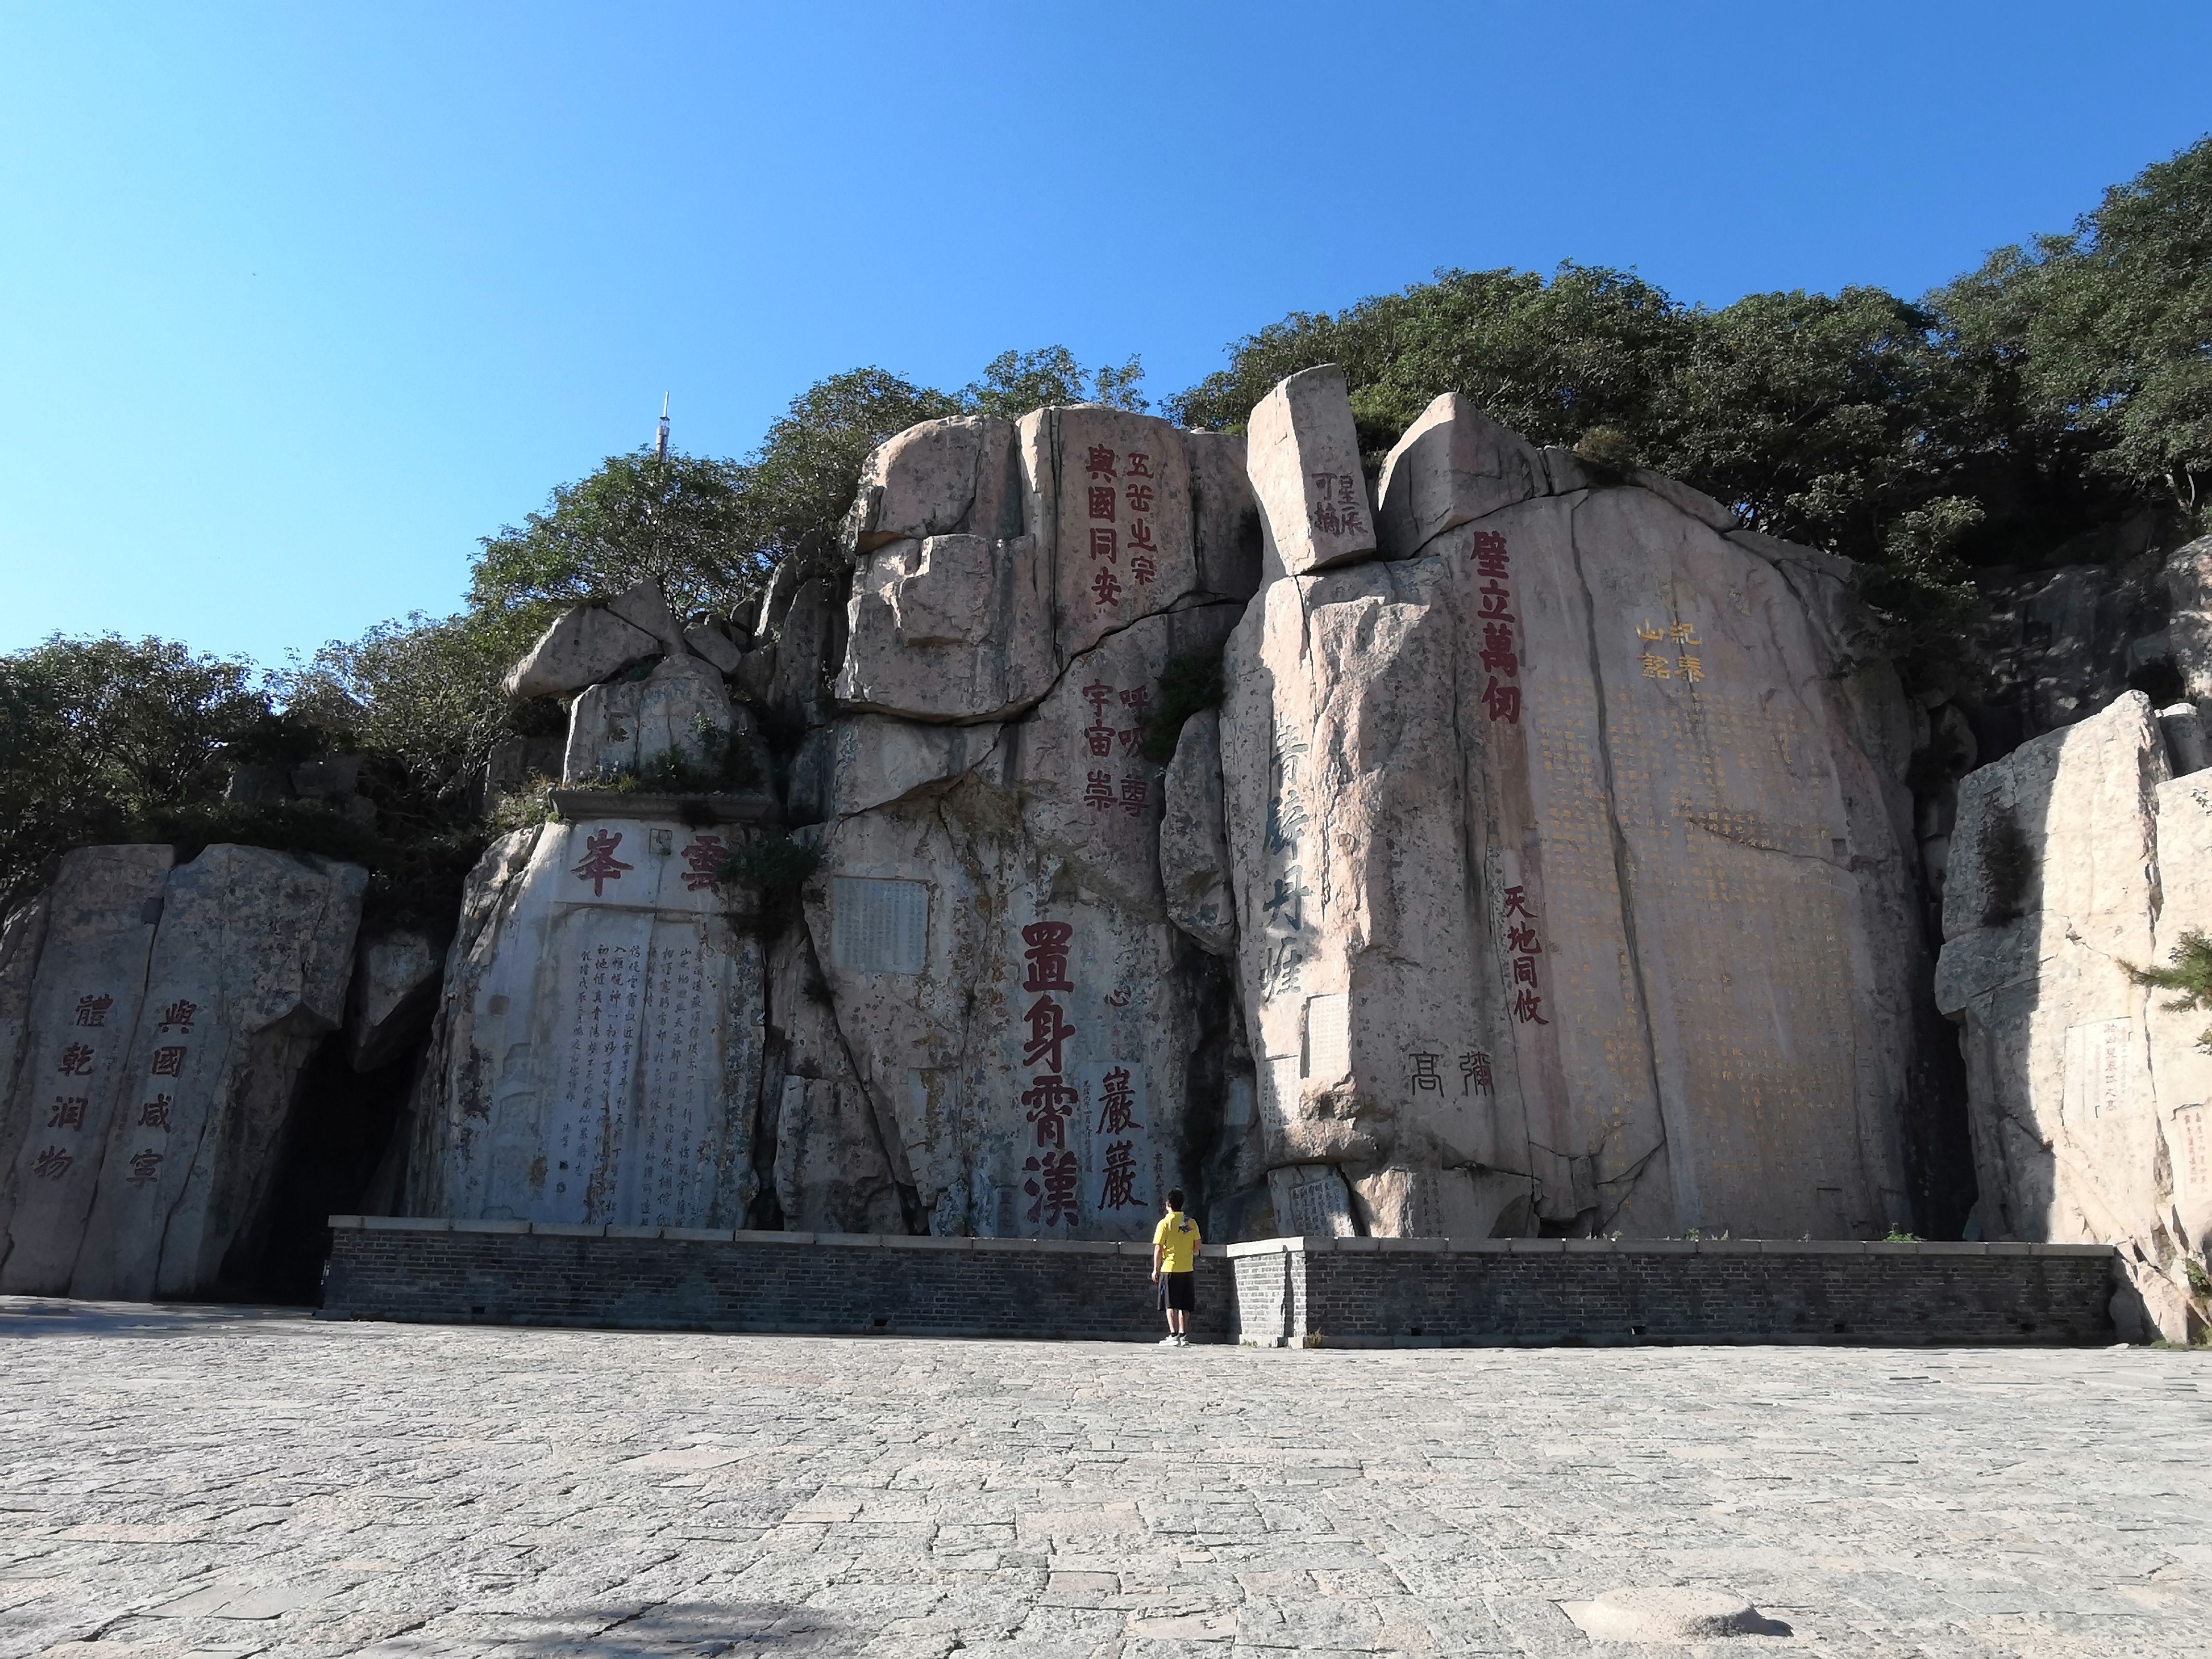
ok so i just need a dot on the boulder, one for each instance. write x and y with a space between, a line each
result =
2188 581
582 648
953 627
1194 846
1572 850
707 640
934 479
80 1023
1453 465
248 974
596 1055
1302 451
395 991
628 725
1224 515
644 606
2074 858
335 778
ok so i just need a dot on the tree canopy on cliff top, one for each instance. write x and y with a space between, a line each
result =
2063 385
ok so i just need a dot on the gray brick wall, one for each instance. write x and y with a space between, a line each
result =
1360 1293
1351 1293
676 1279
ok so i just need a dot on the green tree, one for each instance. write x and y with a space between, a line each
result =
2104 335
425 693
2190 975
98 736
683 518
1015 382
802 480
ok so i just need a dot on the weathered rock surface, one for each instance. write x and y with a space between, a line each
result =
1193 842
395 991
2075 856
598 1049
1302 452
645 607
1573 849
174 1013
1454 466
997 953
582 648
80 1020
1548 866
679 710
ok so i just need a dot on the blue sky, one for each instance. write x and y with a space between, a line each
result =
297 300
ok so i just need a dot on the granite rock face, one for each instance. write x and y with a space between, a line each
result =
1570 856
1546 865
582 648
597 1053
2078 855
171 1013
1302 453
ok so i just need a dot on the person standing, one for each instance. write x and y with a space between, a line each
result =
1174 1269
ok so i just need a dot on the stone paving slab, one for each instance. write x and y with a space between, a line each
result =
226 1481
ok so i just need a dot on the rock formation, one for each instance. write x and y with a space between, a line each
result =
1570 854
2076 856
157 1019
1548 866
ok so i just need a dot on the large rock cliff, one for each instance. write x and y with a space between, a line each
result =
1545 867
157 1019
2077 857
1570 852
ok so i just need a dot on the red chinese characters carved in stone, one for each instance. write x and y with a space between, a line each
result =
93 1010
68 1113
1102 502
1048 1031
154 1113
601 866
1099 792
168 1061
1045 952
1503 701
704 856
178 1016
76 1061
1100 462
1104 539
51 1164
1051 1186
1117 1103
1118 1190
1106 587
1488 550
145 1167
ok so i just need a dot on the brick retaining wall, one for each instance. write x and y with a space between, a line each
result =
1351 1292
519 1273
1404 1292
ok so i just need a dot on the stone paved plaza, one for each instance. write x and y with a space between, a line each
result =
222 1482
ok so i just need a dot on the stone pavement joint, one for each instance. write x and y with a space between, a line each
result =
226 1481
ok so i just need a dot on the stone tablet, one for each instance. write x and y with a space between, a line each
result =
599 1048
1302 451
82 1017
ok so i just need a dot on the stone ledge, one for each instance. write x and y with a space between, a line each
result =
587 805
1311 1245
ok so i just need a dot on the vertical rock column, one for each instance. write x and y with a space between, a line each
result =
1569 853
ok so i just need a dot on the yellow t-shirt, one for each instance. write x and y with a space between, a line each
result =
1177 1237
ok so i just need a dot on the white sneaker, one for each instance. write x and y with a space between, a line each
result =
1182 1342
1168 1342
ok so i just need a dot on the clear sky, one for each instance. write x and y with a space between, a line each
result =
296 300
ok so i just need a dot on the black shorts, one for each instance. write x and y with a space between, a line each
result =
1179 1291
